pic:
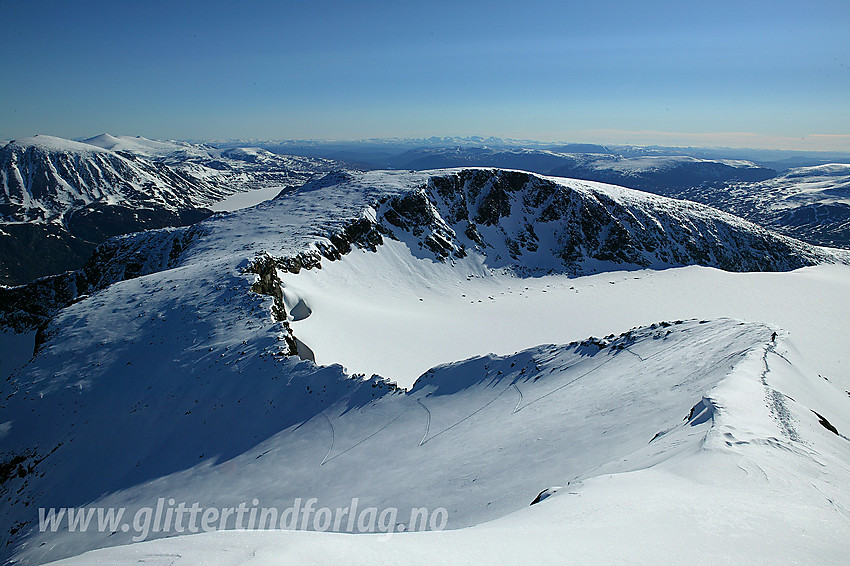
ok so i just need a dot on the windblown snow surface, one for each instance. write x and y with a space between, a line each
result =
692 429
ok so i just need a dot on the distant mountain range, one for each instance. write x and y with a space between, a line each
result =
375 153
658 174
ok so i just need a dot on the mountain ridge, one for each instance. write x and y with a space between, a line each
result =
60 198
443 215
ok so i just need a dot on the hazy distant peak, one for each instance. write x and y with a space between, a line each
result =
137 145
52 143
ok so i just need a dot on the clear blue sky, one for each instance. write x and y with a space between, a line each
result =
741 73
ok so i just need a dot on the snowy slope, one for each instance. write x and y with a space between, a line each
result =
368 305
737 491
170 379
480 438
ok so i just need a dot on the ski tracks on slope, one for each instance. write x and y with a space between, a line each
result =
776 400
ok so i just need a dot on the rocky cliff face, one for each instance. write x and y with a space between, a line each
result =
529 223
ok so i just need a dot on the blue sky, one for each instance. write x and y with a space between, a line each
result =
745 73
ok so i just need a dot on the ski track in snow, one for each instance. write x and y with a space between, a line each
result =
352 447
519 401
461 421
427 423
333 438
776 400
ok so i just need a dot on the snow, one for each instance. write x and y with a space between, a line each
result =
139 145
246 199
52 143
635 165
807 185
45 178
649 517
695 439
729 489
138 172
809 203
395 315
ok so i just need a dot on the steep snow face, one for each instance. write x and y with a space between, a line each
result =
44 178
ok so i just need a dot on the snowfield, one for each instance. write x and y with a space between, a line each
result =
245 199
706 421
396 315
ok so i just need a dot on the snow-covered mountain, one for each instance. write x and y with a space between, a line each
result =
47 178
144 147
61 197
809 203
236 168
580 226
515 221
163 371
